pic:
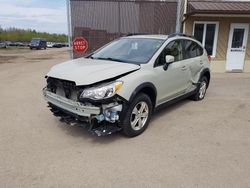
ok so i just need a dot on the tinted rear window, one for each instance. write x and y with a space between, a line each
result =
191 49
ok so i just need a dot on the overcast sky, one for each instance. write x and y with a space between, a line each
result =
42 15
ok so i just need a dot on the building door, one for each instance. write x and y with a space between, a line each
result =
237 44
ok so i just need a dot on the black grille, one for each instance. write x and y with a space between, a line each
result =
68 87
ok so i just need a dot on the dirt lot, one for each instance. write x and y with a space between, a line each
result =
191 144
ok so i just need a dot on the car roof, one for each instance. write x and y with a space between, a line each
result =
162 37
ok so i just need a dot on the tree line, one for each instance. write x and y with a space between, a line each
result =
25 35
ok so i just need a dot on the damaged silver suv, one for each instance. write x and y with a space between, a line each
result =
119 86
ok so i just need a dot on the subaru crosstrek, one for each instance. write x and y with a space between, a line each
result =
119 86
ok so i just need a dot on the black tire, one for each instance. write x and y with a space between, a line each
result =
31 48
198 96
126 124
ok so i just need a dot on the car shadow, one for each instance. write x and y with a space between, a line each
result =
167 109
81 130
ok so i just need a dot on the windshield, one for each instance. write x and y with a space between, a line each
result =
129 50
35 40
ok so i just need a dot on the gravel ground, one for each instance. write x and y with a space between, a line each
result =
190 144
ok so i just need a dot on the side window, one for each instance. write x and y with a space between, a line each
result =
173 48
191 49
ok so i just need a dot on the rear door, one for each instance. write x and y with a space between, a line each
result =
193 56
173 81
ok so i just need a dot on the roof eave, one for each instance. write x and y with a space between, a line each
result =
214 13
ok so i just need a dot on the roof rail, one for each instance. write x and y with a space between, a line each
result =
180 34
132 34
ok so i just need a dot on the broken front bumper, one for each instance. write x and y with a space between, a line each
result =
73 112
70 105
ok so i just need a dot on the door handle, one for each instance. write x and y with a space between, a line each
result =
184 68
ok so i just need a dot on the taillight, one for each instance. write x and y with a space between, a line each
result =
209 58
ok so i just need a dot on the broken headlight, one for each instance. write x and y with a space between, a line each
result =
103 91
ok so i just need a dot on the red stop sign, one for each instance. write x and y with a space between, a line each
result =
80 45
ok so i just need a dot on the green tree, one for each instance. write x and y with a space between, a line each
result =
25 35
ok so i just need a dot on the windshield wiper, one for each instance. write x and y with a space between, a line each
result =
110 59
90 55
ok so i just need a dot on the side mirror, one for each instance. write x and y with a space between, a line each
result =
169 59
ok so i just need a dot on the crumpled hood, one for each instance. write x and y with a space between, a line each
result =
84 71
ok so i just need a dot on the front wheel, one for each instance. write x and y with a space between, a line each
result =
201 90
137 116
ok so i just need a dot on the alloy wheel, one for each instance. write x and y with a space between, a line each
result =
139 116
202 90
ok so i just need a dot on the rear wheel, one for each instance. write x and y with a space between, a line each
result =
201 90
137 116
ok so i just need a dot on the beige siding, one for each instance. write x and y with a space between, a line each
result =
248 47
223 35
247 66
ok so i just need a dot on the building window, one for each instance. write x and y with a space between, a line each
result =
207 34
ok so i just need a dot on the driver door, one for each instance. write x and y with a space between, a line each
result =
172 82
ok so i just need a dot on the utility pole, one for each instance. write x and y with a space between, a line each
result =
69 27
178 28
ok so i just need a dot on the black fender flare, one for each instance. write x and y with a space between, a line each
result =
206 72
138 89
141 87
